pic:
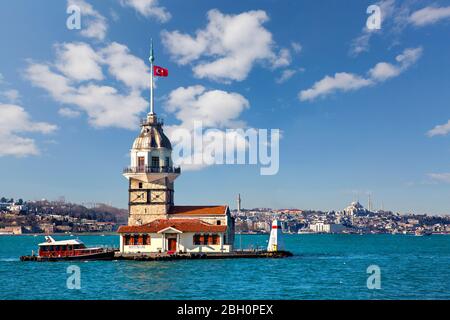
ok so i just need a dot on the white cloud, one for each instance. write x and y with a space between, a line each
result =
105 105
14 121
215 108
440 177
78 61
383 70
362 42
283 59
228 47
429 15
409 57
93 24
395 17
68 113
286 75
11 95
440 130
340 81
126 67
344 81
148 8
296 46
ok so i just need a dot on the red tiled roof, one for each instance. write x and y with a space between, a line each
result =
198 210
184 225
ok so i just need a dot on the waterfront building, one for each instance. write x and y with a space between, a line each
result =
12 230
155 223
322 227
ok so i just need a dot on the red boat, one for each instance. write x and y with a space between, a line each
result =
53 250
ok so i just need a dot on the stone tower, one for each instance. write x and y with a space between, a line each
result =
151 174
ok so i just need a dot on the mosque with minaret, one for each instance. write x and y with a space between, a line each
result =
155 223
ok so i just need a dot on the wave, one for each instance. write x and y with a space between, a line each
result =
9 259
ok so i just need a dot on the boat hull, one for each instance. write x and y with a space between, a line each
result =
106 255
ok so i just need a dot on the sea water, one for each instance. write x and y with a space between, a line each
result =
323 267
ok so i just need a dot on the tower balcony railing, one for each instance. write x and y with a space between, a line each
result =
159 122
150 169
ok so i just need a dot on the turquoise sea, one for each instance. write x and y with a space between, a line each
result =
324 267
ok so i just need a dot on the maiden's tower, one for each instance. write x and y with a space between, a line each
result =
155 223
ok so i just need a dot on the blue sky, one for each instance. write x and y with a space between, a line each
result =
360 111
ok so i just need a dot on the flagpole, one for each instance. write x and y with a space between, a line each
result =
151 58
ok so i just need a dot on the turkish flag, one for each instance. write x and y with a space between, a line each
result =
160 72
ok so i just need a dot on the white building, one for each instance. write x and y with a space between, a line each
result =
322 227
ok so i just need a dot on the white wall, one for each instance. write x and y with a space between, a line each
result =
161 153
185 244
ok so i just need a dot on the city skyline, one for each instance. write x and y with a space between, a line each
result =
360 112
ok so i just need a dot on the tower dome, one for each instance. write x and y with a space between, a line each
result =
152 135
151 153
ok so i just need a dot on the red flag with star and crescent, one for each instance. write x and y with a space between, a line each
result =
160 71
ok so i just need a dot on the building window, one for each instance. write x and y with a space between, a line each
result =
167 161
219 222
155 162
146 240
196 239
140 185
135 239
206 239
127 240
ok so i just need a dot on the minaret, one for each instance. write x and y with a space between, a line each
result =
151 173
239 202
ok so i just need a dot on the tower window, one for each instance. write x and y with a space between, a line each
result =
155 162
141 163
